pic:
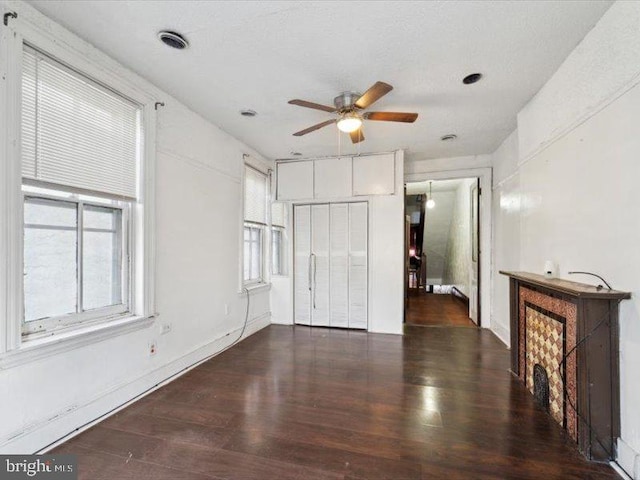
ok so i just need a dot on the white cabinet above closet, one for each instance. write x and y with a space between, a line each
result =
374 175
332 178
336 177
295 180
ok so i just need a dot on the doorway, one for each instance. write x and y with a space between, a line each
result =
442 254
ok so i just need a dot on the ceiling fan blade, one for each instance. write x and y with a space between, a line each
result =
314 128
376 92
357 136
392 116
315 106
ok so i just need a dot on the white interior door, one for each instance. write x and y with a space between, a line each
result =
320 305
358 269
339 265
475 256
302 264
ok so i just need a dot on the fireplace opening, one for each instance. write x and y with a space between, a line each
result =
541 386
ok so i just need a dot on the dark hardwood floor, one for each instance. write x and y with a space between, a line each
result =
430 309
313 403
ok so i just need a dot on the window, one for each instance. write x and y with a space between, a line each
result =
75 260
80 157
277 251
252 254
255 221
278 239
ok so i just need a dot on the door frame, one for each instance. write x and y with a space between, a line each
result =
485 175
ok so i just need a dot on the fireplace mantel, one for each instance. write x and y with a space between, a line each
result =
570 330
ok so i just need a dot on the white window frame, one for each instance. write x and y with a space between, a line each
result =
282 267
265 239
261 277
49 325
98 67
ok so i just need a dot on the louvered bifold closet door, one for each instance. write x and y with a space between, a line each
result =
339 265
302 263
358 246
320 304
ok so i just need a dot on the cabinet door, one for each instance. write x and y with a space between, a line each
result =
358 268
339 265
332 178
302 261
295 180
374 174
320 265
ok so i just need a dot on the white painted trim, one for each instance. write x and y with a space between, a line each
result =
580 120
256 288
32 350
485 174
41 437
197 163
145 224
628 459
11 216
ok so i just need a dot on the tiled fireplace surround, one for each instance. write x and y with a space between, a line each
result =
569 331
547 334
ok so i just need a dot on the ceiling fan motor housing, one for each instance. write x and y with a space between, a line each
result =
346 101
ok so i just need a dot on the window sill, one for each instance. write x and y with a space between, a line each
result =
38 348
255 288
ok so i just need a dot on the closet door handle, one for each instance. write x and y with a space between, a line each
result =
309 271
315 282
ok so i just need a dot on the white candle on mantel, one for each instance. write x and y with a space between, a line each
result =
549 269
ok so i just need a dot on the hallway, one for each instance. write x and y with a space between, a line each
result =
315 403
430 309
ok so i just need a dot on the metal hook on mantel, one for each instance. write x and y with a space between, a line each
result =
159 104
9 15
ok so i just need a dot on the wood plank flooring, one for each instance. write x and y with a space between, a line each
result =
430 309
313 403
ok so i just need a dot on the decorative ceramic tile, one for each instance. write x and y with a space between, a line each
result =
545 346
564 310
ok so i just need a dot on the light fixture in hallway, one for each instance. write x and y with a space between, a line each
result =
430 201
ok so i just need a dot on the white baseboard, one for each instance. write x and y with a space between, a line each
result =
67 424
628 459
501 333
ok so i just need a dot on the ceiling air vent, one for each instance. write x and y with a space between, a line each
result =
173 39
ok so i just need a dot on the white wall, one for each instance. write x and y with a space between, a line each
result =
437 235
457 270
198 250
386 261
566 190
386 257
506 231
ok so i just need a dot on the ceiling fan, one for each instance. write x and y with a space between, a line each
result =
349 108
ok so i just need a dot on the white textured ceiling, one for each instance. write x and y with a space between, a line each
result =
259 55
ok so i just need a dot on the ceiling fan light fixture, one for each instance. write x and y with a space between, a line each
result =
350 122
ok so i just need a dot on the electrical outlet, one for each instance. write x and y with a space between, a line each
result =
165 328
153 348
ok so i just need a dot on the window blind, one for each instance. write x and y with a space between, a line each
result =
75 132
255 196
277 214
